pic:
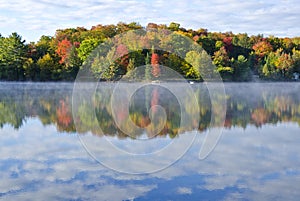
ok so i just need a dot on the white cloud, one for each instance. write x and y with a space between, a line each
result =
184 190
43 17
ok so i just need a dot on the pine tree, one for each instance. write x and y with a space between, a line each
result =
148 75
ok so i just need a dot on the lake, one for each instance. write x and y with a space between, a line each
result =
57 143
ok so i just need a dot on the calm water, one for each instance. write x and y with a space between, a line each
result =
48 152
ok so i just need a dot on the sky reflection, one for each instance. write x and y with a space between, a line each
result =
37 162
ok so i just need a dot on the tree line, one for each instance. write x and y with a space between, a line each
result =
237 57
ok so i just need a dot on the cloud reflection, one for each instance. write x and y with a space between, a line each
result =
255 163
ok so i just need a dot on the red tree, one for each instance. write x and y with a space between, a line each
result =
122 54
63 50
155 65
121 50
228 43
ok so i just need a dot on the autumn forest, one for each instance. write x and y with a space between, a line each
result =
236 57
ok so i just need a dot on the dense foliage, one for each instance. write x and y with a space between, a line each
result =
237 57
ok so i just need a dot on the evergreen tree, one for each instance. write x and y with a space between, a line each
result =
13 52
241 69
148 74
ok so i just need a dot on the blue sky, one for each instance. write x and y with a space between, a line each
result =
33 18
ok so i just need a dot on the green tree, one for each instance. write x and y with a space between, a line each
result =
223 64
284 64
43 46
275 42
138 56
174 26
148 75
13 52
71 68
86 47
278 65
221 58
241 69
48 68
101 32
296 59
269 70
219 44
130 69
192 68
207 68
208 44
242 40
31 70
175 62
123 27
287 45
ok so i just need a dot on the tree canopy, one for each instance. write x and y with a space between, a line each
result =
237 57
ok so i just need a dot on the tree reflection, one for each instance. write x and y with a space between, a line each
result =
53 106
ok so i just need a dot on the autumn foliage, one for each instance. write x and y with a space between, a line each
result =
262 48
122 54
63 50
155 65
228 43
60 57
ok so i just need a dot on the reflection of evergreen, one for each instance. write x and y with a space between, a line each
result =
21 101
11 113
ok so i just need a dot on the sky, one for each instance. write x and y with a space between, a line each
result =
34 18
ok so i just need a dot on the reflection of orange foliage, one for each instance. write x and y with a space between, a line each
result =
154 100
155 70
227 123
260 116
63 113
122 114
143 121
